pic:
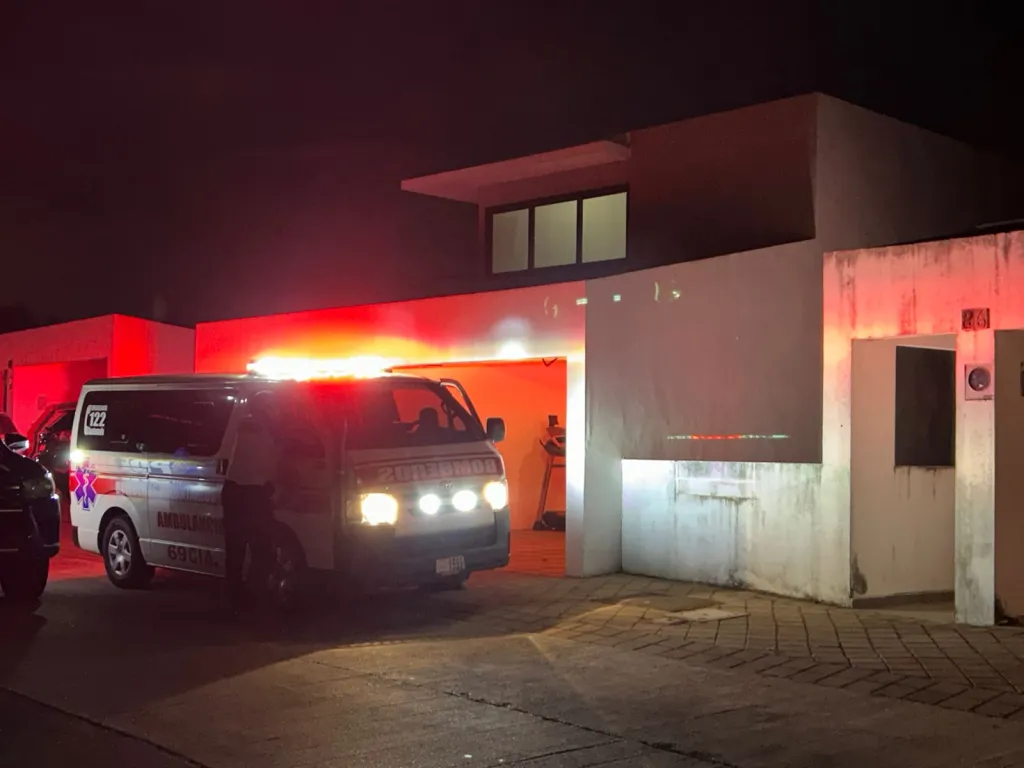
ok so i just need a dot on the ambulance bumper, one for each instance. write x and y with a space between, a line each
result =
376 557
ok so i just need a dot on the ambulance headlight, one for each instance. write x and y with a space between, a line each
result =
464 501
496 494
430 504
379 509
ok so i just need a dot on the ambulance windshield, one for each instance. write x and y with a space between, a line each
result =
404 413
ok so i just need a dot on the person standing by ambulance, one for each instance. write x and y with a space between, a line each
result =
248 501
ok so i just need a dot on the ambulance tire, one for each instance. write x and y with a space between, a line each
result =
122 555
287 586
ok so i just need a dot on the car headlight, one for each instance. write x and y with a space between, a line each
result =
39 487
464 501
496 494
379 509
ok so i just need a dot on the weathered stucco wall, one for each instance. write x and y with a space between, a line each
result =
921 289
735 523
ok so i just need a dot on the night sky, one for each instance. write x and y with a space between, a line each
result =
197 159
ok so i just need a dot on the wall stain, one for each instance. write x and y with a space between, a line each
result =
858 583
846 268
908 313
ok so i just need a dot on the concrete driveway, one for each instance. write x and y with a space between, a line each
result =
515 670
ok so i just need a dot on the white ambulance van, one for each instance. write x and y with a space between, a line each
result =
395 480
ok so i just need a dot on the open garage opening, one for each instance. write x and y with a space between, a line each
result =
530 395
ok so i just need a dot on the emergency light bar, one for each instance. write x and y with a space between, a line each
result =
304 369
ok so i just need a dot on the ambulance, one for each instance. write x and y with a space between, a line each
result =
394 478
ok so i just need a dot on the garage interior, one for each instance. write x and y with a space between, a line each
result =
530 395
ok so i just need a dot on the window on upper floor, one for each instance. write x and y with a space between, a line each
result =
582 230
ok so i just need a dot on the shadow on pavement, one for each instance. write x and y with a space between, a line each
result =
91 644
19 625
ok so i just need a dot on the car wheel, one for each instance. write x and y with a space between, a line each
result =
24 581
122 556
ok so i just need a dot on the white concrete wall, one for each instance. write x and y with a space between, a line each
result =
881 181
921 290
740 352
144 347
902 518
729 523
1009 471
701 350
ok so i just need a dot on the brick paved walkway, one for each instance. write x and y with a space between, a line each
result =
863 651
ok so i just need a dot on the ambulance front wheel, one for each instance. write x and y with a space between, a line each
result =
286 582
122 556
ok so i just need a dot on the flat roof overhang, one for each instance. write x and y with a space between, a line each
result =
466 184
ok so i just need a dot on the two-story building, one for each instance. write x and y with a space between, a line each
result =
664 291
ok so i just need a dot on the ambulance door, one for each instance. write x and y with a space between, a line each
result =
185 434
303 498
461 396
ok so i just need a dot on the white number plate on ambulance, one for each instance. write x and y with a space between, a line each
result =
449 566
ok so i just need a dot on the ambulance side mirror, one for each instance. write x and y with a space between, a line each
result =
495 430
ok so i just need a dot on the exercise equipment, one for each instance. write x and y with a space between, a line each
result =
554 450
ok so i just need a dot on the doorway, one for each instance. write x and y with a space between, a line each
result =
528 395
902 471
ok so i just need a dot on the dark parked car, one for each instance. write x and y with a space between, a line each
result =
7 428
29 523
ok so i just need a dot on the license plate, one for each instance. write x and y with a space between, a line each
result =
449 566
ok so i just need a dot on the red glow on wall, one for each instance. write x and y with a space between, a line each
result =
545 321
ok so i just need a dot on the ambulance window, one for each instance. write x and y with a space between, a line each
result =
405 414
294 429
110 422
187 423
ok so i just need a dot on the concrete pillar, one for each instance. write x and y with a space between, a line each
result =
575 462
975 486
990 479
593 482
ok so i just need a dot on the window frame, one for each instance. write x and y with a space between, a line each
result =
531 206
